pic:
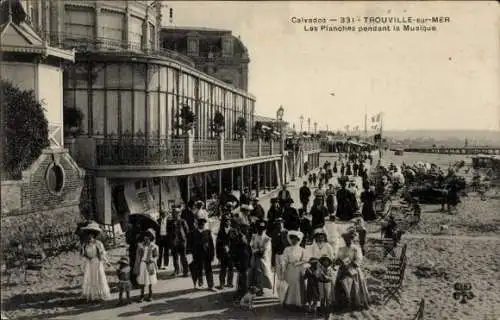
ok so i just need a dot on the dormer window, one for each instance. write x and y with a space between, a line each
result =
227 47
193 47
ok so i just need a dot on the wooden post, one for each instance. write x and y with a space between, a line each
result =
265 177
232 179
242 178
188 189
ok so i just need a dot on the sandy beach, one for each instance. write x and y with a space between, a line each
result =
467 251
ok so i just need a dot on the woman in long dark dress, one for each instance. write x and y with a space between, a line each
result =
350 289
346 202
368 200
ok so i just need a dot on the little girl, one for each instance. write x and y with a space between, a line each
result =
325 279
124 283
312 285
147 255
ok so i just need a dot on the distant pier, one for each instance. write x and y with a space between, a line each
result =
462 150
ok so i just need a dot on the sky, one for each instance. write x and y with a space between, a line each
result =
447 79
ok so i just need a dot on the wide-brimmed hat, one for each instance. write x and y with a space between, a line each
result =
318 231
92 227
325 258
294 233
246 207
262 223
150 233
313 260
124 260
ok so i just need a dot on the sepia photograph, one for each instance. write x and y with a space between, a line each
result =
227 160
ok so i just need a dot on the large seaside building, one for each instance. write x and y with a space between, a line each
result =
134 142
215 52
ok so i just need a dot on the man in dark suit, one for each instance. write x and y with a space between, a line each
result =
177 233
162 241
203 253
222 250
304 194
241 254
284 196
257 209
279 241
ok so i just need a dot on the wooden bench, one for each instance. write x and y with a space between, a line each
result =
420 312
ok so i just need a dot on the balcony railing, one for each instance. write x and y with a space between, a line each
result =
82 43
182 150
232 150
139 151
205 150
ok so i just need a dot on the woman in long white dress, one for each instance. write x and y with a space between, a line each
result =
293 264
350 288
95 285
261 275
145 263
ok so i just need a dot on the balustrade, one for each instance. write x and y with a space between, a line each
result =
170 151
232 150
252 149
266 148
139 151
205 150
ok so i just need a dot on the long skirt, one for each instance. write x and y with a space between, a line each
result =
95 285
260 274
295 294
350 291
146 278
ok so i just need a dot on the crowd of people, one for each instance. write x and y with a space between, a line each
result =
296 253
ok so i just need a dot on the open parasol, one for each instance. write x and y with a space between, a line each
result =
145 221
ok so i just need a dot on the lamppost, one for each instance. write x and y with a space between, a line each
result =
308 125
279 117
301 123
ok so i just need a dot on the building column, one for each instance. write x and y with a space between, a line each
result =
232 179
270 172
103 201
188 188
258 179
242 178
205 189
219 174
250 177
264 171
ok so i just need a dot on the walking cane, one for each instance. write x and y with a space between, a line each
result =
274 282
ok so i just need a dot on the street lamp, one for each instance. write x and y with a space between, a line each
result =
279 113
301 123
308 125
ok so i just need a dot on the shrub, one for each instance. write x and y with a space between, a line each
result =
241 127
73 118
26 128
218 123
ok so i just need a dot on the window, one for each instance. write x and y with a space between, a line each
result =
126 112
227 47
82 103
193 46
112 112
135 35
54 178
112 30
79 22
98 112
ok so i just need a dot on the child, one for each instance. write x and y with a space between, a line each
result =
124 283
325 279
312 285
147 256
361 230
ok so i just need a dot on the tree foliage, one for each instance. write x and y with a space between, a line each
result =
26 128
241 127
218 123
188 118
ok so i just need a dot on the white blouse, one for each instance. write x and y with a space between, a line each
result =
293 254
317 250
351 254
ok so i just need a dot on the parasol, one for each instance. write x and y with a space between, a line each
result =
145 221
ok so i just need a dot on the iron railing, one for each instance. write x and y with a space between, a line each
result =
205 150
136 151
83 43
232 150
252 149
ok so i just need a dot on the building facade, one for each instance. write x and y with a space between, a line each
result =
49 189
215 52
132 93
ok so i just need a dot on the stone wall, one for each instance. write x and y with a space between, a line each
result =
47 197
